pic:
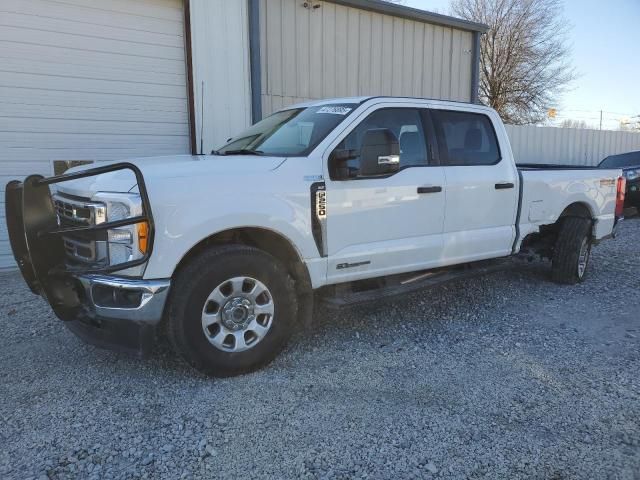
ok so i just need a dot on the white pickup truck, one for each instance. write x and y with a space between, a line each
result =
345 200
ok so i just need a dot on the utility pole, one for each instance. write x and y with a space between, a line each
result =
600 119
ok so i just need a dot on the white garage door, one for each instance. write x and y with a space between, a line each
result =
88 80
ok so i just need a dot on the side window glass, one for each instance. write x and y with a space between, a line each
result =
404 123
465 138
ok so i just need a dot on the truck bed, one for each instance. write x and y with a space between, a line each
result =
548 190
553 166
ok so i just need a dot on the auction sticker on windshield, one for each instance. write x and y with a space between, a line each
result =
337 110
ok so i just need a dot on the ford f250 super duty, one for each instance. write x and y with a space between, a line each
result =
343 201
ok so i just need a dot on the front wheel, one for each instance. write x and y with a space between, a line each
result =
572 251
232 310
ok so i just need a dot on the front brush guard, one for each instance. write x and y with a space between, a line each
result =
35 236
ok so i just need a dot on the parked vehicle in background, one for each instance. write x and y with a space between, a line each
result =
630 165
346 200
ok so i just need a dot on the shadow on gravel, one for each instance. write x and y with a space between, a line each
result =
432 305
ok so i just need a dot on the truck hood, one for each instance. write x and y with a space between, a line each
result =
170 166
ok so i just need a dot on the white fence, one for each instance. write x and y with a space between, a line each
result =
531 144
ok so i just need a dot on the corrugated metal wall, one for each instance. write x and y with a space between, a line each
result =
220 57
531 144
88 80
336 51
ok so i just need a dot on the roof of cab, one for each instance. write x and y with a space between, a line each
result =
360 100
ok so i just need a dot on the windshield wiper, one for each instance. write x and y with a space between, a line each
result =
240 151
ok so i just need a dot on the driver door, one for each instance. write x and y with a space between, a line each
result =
385 223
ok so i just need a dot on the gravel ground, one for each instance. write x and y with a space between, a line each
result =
506 376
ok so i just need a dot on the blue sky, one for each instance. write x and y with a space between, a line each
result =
606 53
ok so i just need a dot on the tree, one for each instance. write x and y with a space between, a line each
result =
629 125
524 57
569 123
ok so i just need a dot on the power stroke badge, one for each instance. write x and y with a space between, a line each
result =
319 216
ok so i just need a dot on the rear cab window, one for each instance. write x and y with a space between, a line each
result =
465 138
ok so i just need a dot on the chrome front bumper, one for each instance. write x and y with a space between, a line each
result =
152 297
119 313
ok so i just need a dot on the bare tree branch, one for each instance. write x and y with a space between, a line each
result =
524 57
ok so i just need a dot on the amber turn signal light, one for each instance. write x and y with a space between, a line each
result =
143 236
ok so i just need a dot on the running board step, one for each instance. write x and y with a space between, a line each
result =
405 284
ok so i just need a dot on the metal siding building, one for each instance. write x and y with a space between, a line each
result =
553 145
221 77
97 80
88 80
336 50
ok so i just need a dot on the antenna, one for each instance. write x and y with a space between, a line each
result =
201 118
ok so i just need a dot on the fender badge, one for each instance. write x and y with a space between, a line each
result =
312 178
342 266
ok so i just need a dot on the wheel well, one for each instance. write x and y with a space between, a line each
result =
577 209
543 241
266 240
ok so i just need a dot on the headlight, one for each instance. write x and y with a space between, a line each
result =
127 243
632 174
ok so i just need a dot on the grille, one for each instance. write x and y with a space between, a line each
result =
80 249
79 212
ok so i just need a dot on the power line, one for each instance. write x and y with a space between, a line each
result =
596 111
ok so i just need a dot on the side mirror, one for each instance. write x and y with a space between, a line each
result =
380 153
338 163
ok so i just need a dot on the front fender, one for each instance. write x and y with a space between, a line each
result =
179 229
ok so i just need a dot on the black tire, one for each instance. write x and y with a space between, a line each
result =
575 232
195 282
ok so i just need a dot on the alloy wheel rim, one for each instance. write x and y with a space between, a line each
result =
583 257
238 314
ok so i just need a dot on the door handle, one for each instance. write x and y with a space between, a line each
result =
389 160
504 185
434 189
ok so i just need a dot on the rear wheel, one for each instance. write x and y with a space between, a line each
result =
232 310
572 251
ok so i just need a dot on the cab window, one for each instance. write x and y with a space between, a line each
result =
465 138
404 123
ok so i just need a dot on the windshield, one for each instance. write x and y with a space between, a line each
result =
630 159
293 132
